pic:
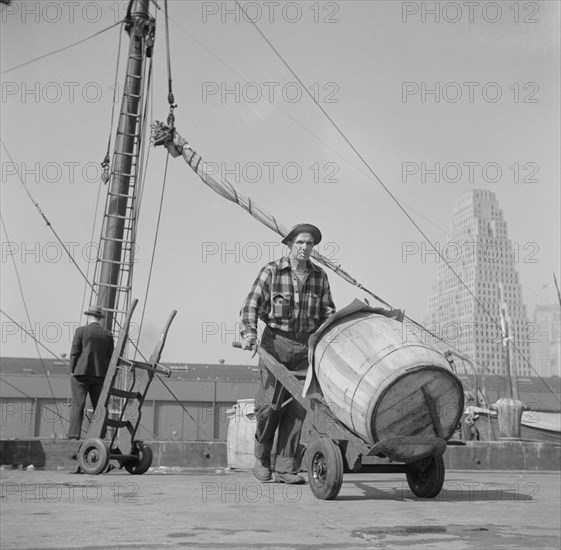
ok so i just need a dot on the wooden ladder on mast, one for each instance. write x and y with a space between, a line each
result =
115 213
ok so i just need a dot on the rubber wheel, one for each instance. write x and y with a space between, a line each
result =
140 465
325 468
93 456
428 484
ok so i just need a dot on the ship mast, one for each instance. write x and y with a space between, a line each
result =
512 382
114 267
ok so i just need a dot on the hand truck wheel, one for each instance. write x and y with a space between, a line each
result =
140 465
428 483
93 456
325 468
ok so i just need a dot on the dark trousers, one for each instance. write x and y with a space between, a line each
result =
269 414
81 386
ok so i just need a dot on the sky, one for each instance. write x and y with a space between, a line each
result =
438 98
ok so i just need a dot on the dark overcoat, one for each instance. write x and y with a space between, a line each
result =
91 352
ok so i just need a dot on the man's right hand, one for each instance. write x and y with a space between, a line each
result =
249 342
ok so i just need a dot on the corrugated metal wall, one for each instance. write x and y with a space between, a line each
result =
199 413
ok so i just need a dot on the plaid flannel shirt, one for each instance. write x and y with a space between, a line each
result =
276 300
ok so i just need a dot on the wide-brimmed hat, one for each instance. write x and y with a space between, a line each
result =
303 228
95 311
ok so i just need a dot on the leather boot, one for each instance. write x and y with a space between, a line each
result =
262 469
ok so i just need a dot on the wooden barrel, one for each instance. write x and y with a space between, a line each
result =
382 383
241 435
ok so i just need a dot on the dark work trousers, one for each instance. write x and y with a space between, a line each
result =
81 386
293 354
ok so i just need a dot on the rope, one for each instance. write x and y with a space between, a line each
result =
45 217
97 200
106 162
27 314
29 334
144 153
60 49
171 98
154 246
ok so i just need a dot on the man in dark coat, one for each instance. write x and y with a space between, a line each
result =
90 356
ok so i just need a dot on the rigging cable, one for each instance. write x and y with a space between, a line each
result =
154 246
144 152
29 334
45 217
171 120
106 161
60 49
29 316
392 196
171 98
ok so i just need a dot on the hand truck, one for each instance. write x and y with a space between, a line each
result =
135 456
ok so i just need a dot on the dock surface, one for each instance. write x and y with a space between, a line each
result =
205 509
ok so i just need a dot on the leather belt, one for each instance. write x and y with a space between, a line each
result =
300 336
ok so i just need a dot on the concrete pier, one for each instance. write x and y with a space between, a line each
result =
202 509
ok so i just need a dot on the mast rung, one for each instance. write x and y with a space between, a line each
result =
120 262
118 287
125 268
130 175
117 217
122 195
127 113
114 262
114 240
117 310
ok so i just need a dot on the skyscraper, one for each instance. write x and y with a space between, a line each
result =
467 312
